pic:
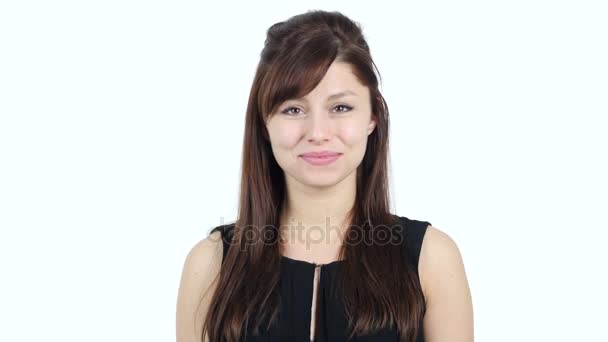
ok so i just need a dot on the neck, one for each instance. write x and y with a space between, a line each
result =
328 208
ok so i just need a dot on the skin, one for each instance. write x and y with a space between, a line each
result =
449 315
317 195
198 283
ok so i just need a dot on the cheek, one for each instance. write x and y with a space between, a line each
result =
284 135
353 134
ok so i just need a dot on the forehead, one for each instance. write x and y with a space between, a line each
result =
339 81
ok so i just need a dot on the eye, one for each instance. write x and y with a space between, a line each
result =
287 111
347 108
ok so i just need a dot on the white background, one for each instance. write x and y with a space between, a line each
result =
120 137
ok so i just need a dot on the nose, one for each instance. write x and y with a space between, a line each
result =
319 127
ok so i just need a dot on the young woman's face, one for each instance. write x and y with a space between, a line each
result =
320 122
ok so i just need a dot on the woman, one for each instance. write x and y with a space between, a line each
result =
315 252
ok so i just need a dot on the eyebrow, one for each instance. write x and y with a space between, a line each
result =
334 96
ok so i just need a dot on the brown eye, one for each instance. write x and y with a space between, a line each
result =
287 111
347 108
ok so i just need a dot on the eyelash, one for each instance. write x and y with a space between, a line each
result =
348 108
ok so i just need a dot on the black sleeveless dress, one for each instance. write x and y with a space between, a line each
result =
296 289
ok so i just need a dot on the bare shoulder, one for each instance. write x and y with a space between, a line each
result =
449 314
198 280
204 259
437 248
207 252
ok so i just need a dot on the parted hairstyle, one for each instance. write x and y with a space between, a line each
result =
377 285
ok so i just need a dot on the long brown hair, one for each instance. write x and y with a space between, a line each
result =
377 286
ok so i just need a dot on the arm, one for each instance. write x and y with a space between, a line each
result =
197 285
449 315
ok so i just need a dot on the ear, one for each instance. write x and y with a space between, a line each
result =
372 124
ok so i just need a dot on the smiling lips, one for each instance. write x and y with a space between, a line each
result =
320 158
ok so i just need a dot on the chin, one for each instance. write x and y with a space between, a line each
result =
320 180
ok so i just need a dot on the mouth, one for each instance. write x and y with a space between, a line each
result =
320 158
320 154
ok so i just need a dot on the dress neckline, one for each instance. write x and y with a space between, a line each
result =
310 264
